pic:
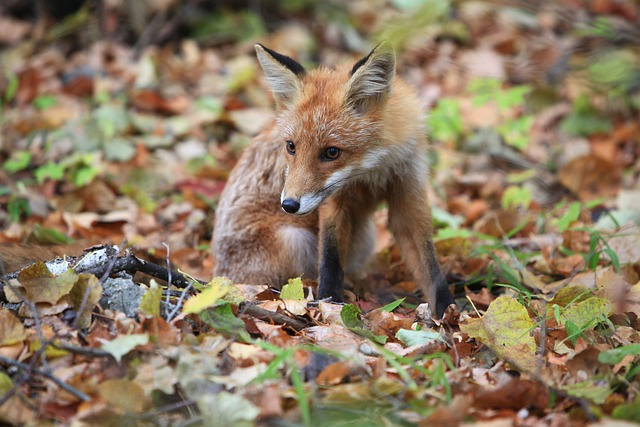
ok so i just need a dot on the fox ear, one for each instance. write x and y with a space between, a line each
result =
282 74
372 78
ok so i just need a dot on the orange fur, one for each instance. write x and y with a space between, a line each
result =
344 141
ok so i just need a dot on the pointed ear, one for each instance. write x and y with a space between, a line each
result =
282 74
372 78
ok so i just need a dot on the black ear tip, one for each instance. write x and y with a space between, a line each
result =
382 47
284 60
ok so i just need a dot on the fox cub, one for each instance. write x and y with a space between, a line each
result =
301 198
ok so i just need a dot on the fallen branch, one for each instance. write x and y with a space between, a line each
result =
104 261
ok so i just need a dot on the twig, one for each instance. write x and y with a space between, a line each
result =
278 318
543 339
183 294
80 395
167 408
82 351
166 310
130 263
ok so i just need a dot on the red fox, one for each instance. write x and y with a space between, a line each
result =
300 200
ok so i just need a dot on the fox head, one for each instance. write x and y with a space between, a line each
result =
330 121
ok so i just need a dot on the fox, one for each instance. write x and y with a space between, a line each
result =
301 198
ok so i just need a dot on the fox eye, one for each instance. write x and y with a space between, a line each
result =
332 153
291 148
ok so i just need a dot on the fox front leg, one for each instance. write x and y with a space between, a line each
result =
335 230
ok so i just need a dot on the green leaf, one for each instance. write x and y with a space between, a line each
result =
222 319
442 218
591 390
50 170
445 120
453 233
512 97
6 383
49 235
410 337
626 411
506 329
44 101
13 83
16 206
573 331
516 132
392 305
122 345
18 161
569 217
615 355
613 257
615 68
515 196
150 302
350 315
293 290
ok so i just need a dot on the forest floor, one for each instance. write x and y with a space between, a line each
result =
127 142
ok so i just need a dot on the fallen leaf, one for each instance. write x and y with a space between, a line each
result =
227 409
122 345
292 290
11 329
123 395
506 328
590 177
150 302
213 293
587 313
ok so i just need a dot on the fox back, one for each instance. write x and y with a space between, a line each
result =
301 198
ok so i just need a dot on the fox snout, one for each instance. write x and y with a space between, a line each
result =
290 206
302 205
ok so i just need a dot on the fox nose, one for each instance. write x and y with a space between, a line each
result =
290 205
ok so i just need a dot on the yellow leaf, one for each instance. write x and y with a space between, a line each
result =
215 291
86 285
38 284
292 290
506 329
11 329
588 313
123 395
150 303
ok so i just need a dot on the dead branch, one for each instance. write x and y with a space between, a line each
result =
104 261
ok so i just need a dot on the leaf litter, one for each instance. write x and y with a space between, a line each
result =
535 174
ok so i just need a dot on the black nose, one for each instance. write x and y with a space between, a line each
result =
290 205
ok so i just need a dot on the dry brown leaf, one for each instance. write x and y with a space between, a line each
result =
123 396
590 177
11 329
382 322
